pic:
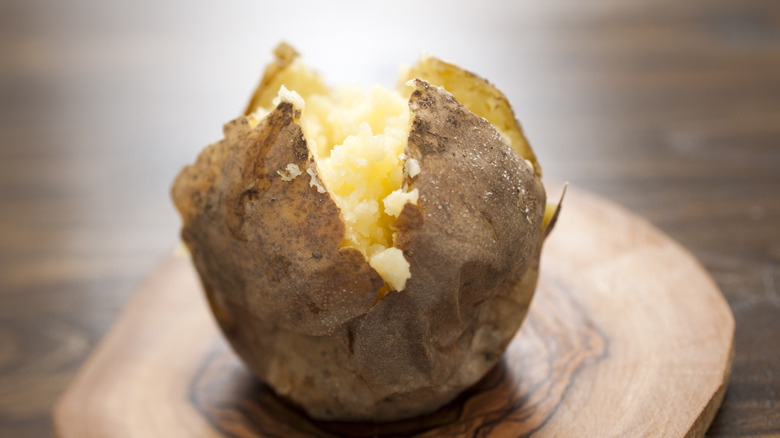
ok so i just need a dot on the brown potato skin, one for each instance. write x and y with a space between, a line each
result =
271 245
300 310
460 83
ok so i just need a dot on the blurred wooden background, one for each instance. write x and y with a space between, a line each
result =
669 108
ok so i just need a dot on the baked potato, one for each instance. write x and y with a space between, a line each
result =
368 253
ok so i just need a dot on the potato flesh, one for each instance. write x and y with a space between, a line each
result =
310 318
357 137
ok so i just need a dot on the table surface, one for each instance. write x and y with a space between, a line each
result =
669 108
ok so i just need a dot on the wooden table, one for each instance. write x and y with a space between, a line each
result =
669 108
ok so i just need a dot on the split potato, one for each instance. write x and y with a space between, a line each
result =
369 253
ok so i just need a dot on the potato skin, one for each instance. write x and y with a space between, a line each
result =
300 310
271 245
284 55
464 85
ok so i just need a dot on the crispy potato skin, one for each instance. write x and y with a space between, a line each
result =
300 310
284 55
271 245
461 83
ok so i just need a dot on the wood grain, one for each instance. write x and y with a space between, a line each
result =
627 336
670 108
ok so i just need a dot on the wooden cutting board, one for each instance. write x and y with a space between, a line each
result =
627 336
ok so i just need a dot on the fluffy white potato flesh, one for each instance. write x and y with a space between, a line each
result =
357 137
294 294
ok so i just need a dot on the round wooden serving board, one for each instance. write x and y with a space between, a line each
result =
627 336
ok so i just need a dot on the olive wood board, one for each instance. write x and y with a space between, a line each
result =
627 335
